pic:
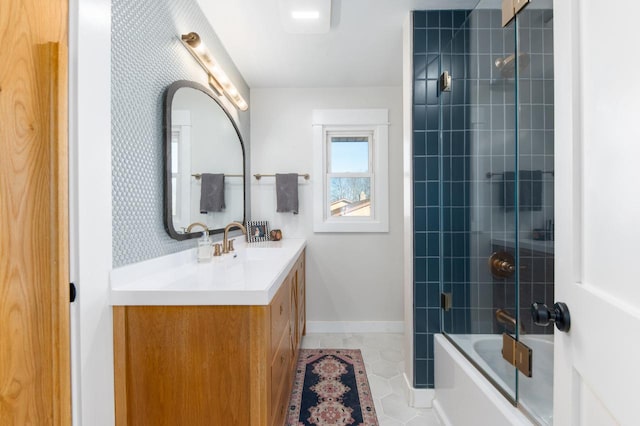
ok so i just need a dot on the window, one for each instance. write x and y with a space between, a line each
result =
350 157
349 174
180 168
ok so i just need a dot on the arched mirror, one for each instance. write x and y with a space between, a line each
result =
204 164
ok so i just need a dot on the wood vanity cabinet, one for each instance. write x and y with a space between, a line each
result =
209 365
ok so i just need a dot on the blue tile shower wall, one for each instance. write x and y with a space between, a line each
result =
452 157
438 166
455 178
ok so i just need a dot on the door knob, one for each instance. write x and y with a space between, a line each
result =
544 316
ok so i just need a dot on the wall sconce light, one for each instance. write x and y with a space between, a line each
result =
218 79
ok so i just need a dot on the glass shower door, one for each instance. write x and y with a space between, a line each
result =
479 187
495 197
536 206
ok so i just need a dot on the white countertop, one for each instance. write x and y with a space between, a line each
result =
249 276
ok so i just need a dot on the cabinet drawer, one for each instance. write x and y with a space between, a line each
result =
302 305
280 312
301 322
280 372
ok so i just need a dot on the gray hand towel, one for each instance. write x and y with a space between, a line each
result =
508 190
530 190
212 193
287 192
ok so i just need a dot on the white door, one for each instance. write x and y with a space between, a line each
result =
597 120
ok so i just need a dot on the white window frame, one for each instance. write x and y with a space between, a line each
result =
181 133
352 122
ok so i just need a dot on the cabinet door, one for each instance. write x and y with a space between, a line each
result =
293 319
187 365
283 323
280 371
301 296
280 314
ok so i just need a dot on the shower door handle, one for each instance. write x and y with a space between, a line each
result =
544 316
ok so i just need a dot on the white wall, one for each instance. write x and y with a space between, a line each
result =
90 210
149 58
351 277
90 206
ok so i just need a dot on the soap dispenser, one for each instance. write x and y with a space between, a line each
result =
204 248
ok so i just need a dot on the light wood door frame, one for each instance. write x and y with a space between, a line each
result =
34 249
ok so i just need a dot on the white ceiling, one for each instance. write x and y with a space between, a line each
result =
363 48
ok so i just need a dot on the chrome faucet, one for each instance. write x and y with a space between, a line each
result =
225 240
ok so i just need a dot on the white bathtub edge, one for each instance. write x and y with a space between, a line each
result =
417 398
460 384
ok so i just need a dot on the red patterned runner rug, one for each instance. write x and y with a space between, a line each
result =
331 388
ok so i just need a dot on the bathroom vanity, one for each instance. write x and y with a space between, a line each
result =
209 344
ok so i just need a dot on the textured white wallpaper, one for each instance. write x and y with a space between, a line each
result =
147 56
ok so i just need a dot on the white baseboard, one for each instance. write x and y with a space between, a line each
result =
418 398
355 327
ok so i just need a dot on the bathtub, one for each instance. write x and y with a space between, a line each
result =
463 394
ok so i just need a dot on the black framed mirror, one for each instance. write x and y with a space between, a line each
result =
204 162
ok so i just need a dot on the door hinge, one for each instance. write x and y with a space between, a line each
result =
510 8
445 301
517 354
72 292
445 82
